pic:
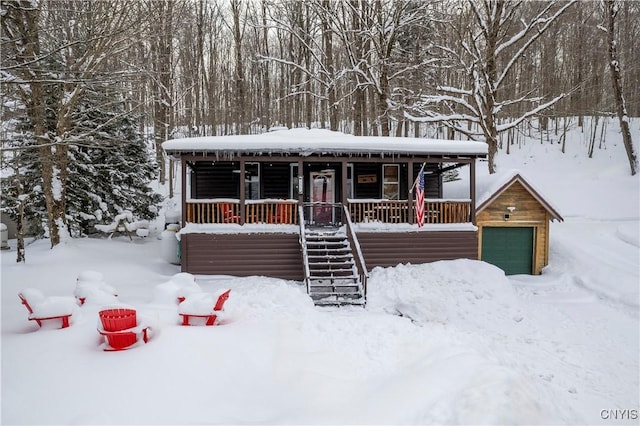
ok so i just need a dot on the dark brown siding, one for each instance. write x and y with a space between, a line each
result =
273 255
279 255
390 249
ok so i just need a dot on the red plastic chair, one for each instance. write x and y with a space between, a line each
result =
192 308
228 215
122 329
47 309
282 214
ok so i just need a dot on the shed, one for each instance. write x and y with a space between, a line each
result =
513 225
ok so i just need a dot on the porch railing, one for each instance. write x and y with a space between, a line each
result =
286 211
397 211
228 211
361 266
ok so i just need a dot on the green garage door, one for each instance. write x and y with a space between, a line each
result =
510 249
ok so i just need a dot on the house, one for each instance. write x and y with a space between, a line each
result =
513 221
320 206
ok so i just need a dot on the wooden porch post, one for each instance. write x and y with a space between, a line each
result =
301 184
410 218
183 171
472 190
242 194
345 184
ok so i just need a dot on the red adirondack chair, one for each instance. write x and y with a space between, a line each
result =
281 214
204 306
55 310
122 329
228 215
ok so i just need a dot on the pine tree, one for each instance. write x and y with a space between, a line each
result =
110 165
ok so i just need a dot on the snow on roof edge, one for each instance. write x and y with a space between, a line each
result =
313 141
493 185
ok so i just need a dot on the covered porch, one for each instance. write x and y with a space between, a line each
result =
255 190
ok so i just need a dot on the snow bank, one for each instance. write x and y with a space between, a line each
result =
417 292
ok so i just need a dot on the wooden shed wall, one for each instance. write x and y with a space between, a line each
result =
273 255
528 212
389 249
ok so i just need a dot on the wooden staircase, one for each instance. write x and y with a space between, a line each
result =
332 274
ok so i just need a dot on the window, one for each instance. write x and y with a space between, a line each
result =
390 181
252 181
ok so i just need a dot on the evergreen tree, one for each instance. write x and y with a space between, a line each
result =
110 164
22 186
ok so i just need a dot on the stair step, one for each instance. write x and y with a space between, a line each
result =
316 271
337 282
326 238
338 255
329 260
325 246
357 302
339 299
332 264
328 249
316 282
332 273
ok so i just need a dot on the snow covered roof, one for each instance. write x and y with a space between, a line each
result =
306 142
491 187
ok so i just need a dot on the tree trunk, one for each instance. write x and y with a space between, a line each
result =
611 9
328 54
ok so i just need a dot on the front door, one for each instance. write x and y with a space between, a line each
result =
323 191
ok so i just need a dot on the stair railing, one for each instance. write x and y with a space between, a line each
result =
355 246
303 244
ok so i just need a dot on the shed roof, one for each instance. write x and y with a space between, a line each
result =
306 142
495 185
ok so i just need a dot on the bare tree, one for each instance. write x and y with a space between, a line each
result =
491 48
610 14
237 27
160 33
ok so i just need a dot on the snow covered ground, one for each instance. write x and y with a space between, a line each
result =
444 343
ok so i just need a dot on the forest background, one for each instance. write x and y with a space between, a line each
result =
90 89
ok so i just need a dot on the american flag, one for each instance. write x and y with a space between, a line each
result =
420 199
